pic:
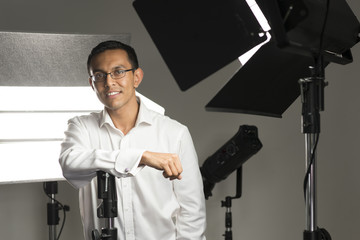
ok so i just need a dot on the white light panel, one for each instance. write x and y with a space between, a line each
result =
48 99
32 125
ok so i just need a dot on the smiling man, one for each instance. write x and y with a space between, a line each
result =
153 159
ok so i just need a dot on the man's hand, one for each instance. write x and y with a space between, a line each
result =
169 163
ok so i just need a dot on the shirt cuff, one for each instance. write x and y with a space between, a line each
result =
127 161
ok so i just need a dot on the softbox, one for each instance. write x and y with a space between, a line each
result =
197 38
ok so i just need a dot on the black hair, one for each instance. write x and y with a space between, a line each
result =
110 45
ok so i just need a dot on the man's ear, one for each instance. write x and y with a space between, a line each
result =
91 83
138 76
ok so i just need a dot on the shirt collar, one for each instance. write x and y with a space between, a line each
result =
145 115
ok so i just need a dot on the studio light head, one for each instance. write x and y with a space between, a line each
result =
232 155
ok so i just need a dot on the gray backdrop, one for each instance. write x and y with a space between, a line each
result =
272 205
43 59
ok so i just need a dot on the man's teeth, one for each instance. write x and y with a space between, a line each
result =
112 93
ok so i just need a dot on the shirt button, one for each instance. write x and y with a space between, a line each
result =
127 170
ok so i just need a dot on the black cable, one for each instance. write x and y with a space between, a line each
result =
323 28
324 234
62 207
311 163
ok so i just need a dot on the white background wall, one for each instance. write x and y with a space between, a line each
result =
272 205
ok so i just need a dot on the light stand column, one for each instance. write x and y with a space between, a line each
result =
312 98
310 192
227 204
108 208
51 188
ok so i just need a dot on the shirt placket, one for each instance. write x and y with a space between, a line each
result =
127 201
128 211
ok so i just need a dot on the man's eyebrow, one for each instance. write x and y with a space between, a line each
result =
112 69
120 66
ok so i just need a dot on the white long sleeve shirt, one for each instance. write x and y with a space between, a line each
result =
150 207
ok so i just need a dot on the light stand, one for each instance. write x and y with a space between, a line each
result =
53 207
312 98
227 205
108 207
51 188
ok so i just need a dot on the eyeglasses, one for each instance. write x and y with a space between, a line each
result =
116 74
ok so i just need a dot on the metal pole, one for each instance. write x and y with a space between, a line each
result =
310 193
51 188
52 228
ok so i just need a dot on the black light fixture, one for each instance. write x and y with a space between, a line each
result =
230 157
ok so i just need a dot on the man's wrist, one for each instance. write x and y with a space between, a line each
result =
144 158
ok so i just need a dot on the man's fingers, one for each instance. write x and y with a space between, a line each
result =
174 169
178 166
167 172
179 177
172 172
175 165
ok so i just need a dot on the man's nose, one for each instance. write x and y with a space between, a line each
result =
109 79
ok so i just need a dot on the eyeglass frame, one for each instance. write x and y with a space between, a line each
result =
111 74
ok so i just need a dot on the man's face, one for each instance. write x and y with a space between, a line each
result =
115 94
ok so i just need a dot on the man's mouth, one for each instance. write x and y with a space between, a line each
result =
112 93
